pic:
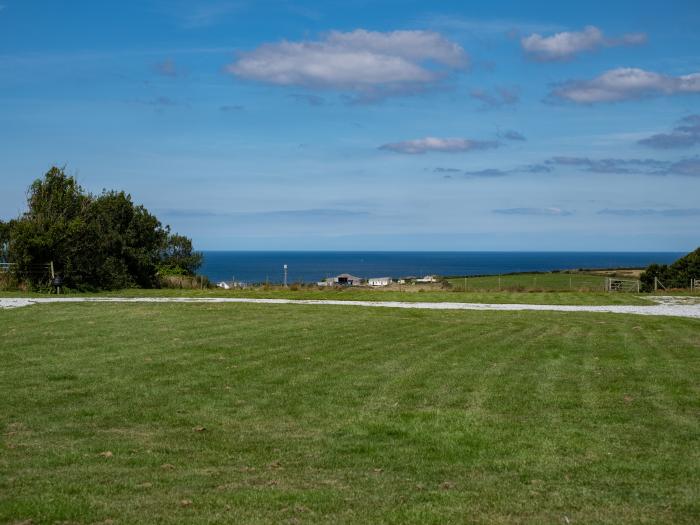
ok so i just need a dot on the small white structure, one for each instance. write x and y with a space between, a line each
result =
230 285
379 281
427 279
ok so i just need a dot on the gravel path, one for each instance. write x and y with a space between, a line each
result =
666 306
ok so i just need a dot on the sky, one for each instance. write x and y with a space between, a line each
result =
366 125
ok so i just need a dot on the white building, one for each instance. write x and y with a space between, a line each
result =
344 279
379 281
230 285
427 279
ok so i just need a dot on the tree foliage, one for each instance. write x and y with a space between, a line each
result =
4 240
675 275
178 256
95 242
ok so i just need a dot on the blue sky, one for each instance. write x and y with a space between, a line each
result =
391 125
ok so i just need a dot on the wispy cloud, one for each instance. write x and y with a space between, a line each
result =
625 83
688 167
567 44
510 134
440 145
159 104
684 135
368 64
311 100
487 173
196 14
622 166
490 173
497 97
486 27
542 212
303 214
647 212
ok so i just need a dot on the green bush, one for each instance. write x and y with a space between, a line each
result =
675 275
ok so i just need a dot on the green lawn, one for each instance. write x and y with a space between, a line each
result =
536 281
211 413
363 294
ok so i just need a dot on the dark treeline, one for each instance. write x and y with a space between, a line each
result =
675 275
95 242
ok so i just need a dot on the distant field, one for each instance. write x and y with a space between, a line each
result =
457 294
194 413
534 281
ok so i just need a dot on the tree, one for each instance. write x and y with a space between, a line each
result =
53 222
675 275
178 256
4 240
127 242
94 242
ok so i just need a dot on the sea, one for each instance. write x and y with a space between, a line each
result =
312 266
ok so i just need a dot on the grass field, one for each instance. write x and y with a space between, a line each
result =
363 294
211 413
537 281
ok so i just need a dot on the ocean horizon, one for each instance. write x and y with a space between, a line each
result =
313 266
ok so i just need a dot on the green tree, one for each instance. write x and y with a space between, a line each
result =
94 242
127 242
54 221
675 275
178 256
4 240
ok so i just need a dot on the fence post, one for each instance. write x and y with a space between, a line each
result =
656 284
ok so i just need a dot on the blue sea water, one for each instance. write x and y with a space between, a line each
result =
308 266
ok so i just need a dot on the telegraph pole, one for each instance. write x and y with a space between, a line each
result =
285 275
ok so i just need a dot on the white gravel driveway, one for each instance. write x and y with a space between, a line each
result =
665 306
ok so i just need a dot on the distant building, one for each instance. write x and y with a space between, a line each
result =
427 279
344 279
379 281
407 279
230 285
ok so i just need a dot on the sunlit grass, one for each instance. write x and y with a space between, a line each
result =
210 413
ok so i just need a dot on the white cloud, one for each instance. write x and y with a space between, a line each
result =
366 62
442 145
565 45
624 84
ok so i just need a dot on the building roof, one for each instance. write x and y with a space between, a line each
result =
348 277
